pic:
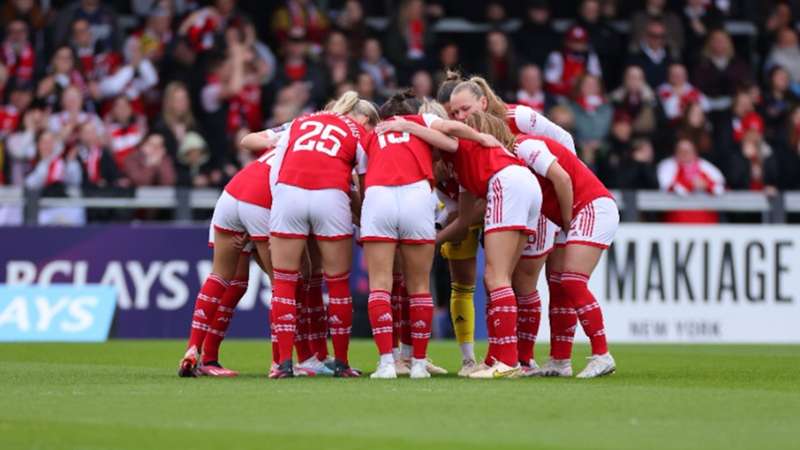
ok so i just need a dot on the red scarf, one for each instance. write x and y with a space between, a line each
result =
591 103
92 163
55 171
19 63
244 109
416 39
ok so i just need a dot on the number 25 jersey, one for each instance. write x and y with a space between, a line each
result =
320 150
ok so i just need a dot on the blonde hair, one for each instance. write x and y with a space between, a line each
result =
480 88
488 123
350 104
170 117
433 107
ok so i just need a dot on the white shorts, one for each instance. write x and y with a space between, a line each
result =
513 201
404 214
237 217
594 225
299 213
541 243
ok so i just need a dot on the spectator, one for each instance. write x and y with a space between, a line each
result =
194 168
449 59
422 83
150 164
409 38
336 60
301 16
700 19
686 173
604 40
786 53
365 86
617 146
653 56
695 127
778 18
566 66
289 104
62 73
126 129
789 157
94 61
352 22
495 13
720 73
156 35
297 67
593 116
19 96
536 39
373 63
176 117
244 107
677 94
101 18
21 145
100 170
531 89
201 29
17 53
133 79
745 116
500 65
562 116
72 116
752 165
55 171
29 11
657 10
777 104
638 170
637 101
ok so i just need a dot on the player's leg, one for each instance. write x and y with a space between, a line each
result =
379 257
561 315
529 306
222 319
317 312
584 248
417 262
462 262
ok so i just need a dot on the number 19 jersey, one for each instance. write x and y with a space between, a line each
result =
321 152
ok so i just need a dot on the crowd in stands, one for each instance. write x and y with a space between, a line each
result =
111 95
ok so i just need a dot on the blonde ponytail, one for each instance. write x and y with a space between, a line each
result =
496 106
350 104
491 124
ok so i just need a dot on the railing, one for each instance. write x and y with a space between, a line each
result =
183 201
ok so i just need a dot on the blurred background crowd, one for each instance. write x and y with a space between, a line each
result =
659 94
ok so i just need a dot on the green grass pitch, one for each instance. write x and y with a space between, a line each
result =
125 395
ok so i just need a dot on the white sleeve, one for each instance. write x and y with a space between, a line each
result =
593 65
113 85
536 155
553 68
667 171
148 75
715 175
277 160
22 145
361 159
531 122
429 119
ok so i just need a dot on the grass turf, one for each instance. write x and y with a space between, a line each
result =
125 395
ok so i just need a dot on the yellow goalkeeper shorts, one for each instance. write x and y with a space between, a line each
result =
466 249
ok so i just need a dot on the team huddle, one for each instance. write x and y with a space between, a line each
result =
404 179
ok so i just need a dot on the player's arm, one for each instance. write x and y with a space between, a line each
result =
259 140
435 138
538 157
457 230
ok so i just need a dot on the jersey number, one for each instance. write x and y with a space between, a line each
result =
320 137
392 138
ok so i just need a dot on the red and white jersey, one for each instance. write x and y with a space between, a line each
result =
9 119
677 100
124 138
251 184
539 153
681 177
319 151
396 159
474 164
525 120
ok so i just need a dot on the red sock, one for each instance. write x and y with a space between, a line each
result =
276 353
587 309
222 319
405 317
529 314
420 308
205 307
397 309
562 319
284 309
503 314
380 318
340 313
492 348
301 339
318 329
